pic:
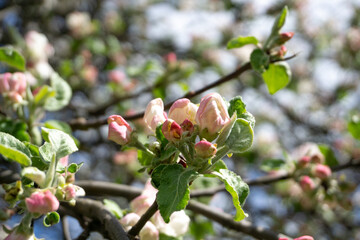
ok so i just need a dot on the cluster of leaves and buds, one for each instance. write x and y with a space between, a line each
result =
190 141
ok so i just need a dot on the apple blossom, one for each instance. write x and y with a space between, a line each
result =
212 116
154 114
79 24
13 86
42 202
119 130
181 110
38 47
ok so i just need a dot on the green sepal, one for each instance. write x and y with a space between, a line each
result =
51 219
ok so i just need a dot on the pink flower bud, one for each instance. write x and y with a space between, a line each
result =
64 160
42 202
283 238
149 232
205 149
170 58
171 130
282 51
154 114
304 161
212 116
306 237
70 192
322 171
317 158
284 37
119 130
183 109
307 184
4 82
117 76
89 73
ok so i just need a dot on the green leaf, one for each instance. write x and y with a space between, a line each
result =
277 76
113 207
241 41
144 158
241 136
272 164
34 174
218 165
259 60
174 192
354 126
238 189
61 142
51 219
13 149
249 117
16 128
166 237
160 136
46 152
62 96
12 57
73 167
279 21
236 106
43 95
62 126
329 155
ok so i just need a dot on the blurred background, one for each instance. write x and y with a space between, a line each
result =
118 55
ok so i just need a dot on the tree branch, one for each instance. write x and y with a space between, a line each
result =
95 210
83 124
143 220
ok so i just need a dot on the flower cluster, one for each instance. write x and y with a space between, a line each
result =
311 168
13 86
178 225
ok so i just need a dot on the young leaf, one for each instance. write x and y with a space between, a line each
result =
241 41
277 76
73 167
62 96
272 164
279 21
13 149
241 136
174 192
62 126
329 155
12 58
354 126
236 105
61 142
144 158
259 60
51 219
44 94
238 189
113 207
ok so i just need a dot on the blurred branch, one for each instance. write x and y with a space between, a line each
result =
83 124
96 210
226 220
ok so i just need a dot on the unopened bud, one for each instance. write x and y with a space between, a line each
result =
306 237
322 171
304 161
205 149
187 126
307 184
171 130
284 37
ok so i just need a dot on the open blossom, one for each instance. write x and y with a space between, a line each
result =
13 85
183 109
154 114
205 149
119 130
148 232
171 130
42 202
38 47
212 116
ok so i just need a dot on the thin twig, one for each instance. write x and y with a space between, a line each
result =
65 225
143 220
83 124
